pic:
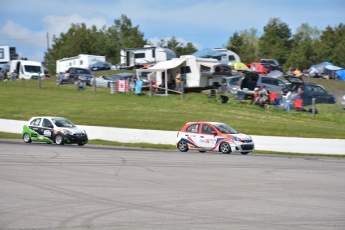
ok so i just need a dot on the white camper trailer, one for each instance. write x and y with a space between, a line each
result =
27 69
229 57
135 58
82 61
197 73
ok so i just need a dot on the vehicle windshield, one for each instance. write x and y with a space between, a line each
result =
267 62
62 122
83 71
223 128
33 69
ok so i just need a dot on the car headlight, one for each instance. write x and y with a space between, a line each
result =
66 131
236 139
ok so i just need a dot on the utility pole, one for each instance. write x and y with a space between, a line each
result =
48 40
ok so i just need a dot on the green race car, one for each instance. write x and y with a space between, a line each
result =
57 130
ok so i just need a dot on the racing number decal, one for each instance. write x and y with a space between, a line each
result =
47 133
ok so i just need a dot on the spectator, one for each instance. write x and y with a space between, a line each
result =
14 75
264 97
284 90
63 79
297 72
287 100
178 82
289 72
81 83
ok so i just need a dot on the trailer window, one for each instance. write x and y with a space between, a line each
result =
232 58
205 68
185 69
33 69
139 55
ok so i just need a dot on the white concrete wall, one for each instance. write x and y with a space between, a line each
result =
280 144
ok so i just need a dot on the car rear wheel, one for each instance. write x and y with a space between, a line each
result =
182 146
59 140
244 153
225 148
27 138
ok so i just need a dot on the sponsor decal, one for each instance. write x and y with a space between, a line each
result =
211 141
40 137
47 133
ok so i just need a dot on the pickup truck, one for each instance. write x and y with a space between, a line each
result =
270 64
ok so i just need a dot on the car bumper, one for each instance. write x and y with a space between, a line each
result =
243 147
75 139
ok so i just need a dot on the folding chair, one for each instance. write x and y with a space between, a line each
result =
212 94
224 99
298 105
240 96
273 96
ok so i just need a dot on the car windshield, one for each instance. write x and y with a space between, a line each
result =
62 122
223 128
267 62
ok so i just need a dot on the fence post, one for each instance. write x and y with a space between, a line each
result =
182 90
313 106
94 84
150 93
39 80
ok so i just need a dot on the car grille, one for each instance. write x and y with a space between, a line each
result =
79 134
247 147
247 141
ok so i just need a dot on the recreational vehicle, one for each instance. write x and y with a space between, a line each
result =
136 58
82 61
27 69
197 73
229 57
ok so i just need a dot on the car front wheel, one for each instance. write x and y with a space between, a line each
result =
59 140
81 144
27 138
182 146
244 153
225 148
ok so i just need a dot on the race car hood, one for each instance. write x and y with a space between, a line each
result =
241 136
71 131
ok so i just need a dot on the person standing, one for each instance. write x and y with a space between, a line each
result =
14 75
178 82
287 100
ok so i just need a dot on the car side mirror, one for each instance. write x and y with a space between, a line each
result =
214 133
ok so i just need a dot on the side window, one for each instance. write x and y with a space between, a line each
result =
319 89
207 129
275 82
193 128
266 80
280 83
36 122
46 123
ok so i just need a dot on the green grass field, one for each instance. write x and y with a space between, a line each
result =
23 99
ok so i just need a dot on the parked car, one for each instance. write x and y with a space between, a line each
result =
343 102
75 73
101 66
57 130
310 91
4 69
213 136
102 81
270 64
252 81
230 84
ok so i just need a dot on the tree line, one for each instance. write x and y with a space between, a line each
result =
307 46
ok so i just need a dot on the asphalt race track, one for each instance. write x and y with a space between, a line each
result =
46 186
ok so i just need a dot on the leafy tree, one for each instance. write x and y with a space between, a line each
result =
275 42
302 53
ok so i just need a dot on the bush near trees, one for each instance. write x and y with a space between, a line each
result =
307 46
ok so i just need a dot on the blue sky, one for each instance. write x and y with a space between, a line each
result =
24 24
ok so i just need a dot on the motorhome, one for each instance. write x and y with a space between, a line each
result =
82 61
197 73
27 69
229 57
136 58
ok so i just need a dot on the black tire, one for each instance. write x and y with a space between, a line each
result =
81 144
225 148
244 153
202 151
27 138
182 146
59 140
